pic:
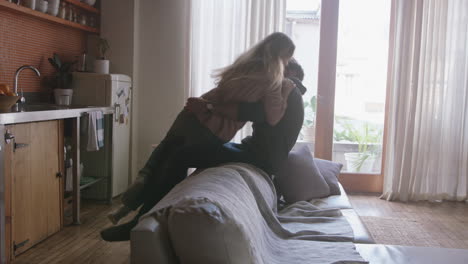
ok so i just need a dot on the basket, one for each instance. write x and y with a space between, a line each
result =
6 102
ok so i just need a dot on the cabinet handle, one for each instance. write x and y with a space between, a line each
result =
19 145
16 246
59 175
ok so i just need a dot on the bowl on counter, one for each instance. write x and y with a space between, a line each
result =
6 102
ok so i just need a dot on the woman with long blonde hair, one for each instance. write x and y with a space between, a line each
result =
256 75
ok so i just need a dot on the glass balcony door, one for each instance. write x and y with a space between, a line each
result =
343 48
360 85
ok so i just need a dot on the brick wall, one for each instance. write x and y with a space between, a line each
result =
28 40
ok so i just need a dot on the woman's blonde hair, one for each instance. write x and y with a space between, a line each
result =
262 61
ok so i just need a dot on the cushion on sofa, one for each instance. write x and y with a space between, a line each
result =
333 201
197 225
330 171
150 243
299 179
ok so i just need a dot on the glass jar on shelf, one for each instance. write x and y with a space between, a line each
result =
53 7
83 19
92 22
75 16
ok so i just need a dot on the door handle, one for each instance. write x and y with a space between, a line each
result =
116 112
9 137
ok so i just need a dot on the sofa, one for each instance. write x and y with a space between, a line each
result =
229 214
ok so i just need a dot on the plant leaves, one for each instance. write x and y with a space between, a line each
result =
57 60
62 77
313 103
52 62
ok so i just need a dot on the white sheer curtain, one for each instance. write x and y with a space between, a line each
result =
427 148
222 30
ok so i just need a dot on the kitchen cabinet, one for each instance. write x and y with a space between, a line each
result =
31 186
33 165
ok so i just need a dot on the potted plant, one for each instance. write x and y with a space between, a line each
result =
308 128
61 80
101 65
367 136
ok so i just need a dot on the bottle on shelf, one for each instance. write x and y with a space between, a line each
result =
75 15
63 10
70 13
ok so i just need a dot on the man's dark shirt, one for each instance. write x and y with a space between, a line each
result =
271 144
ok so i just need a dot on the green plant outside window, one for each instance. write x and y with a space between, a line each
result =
368 136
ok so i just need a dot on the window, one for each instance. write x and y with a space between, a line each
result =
303 26
354 126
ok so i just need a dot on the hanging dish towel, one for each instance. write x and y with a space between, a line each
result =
100 128
95 131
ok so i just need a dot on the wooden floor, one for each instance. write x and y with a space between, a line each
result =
420 224
80 244
414 224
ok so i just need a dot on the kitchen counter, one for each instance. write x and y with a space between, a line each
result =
43 112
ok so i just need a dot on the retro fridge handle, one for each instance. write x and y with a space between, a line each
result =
116 112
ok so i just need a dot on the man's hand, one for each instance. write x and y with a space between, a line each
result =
287 87
196 105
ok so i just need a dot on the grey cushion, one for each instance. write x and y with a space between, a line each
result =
299 179
201 232
149 243
330 171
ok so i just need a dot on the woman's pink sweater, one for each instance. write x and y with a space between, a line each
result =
242 90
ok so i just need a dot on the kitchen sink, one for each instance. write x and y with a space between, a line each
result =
39 107
43 107
46 107
40 112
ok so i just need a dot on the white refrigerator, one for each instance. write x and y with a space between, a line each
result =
113 161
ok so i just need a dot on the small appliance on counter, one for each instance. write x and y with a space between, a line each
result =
112 161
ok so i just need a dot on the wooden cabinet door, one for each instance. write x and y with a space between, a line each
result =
36 187
45 179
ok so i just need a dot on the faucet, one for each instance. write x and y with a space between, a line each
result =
18 71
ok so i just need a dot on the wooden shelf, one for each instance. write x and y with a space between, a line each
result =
27 11
83 6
